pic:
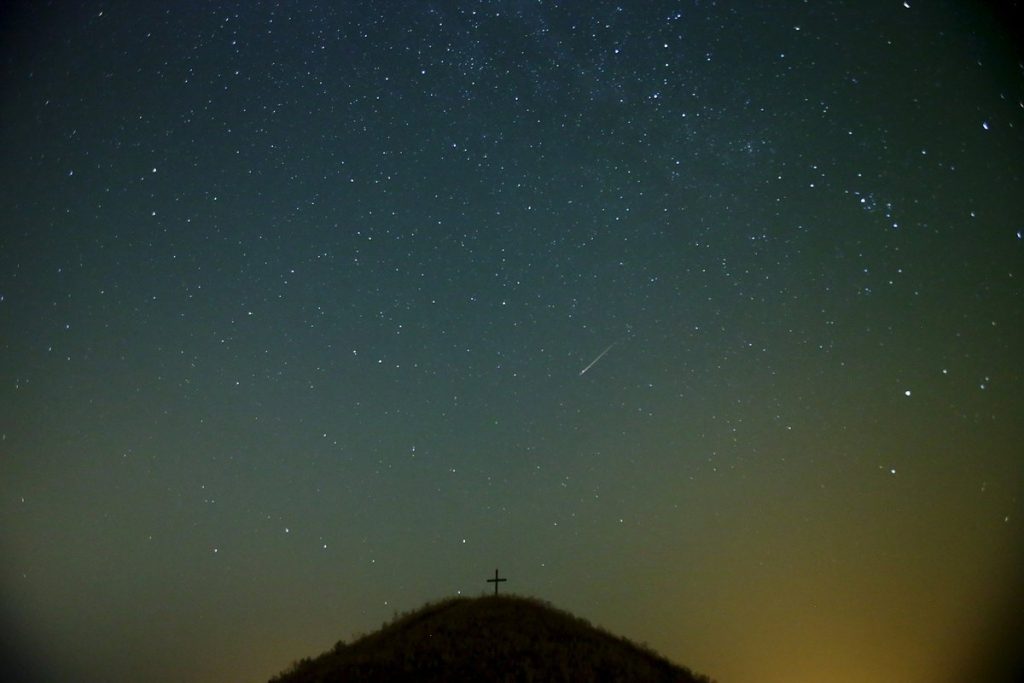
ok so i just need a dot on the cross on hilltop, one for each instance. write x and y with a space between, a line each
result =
496 581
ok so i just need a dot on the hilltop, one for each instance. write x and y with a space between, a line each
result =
502 638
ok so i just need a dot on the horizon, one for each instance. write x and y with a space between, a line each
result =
526 638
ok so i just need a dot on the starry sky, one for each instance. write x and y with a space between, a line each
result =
296 300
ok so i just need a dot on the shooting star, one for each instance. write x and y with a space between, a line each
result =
599 357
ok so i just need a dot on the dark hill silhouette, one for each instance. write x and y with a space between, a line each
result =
501 638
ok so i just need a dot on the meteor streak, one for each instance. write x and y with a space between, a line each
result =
599 357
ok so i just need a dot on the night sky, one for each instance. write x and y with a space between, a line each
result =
296 301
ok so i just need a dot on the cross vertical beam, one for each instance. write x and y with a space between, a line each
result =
496 581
